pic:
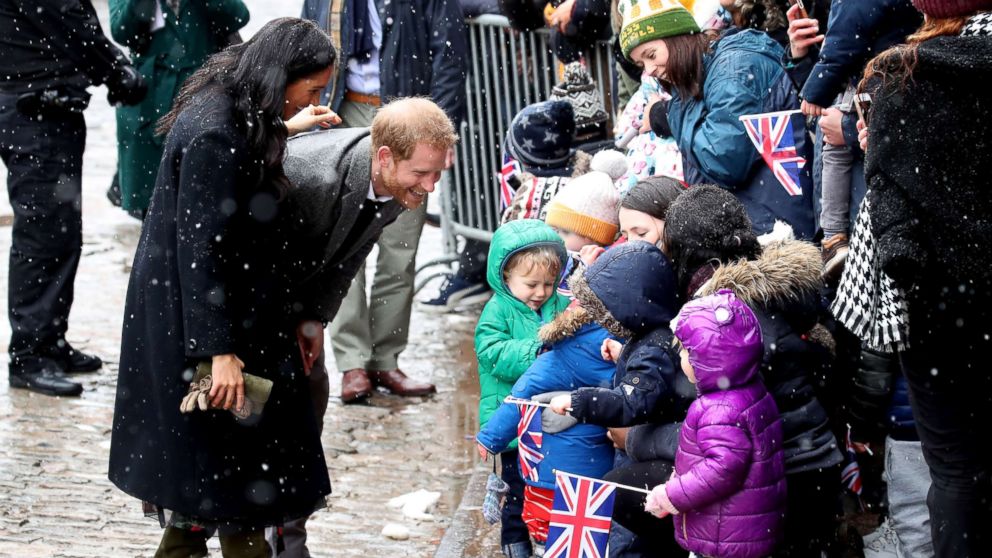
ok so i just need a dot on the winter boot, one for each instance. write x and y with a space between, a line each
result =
834 253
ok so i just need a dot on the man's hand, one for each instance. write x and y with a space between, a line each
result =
618 436
310 338
562 15
803 33
830 125
313 115
228 382
562 404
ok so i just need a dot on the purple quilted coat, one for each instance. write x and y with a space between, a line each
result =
729 482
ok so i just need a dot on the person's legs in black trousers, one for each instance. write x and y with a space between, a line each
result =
950 380
811 509
656 536
44 159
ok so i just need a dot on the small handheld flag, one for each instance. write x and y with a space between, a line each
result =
530 438
773 137
580 517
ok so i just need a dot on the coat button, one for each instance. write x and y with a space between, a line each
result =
635 381
192 344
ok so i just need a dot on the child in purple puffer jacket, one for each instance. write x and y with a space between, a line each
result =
728 491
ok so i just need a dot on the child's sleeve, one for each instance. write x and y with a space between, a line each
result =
846 49
499 354
726 449
501 429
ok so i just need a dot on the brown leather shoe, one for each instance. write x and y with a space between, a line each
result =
355 385
398 383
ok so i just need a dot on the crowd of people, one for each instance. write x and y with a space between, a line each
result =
771 272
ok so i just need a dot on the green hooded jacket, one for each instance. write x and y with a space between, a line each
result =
506 341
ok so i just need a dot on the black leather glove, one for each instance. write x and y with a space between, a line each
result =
658 117
127 87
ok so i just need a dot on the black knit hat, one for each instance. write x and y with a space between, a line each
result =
541 135
707 223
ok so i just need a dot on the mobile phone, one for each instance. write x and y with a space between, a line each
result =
862 104
802 9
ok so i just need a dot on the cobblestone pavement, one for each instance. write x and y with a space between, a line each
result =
55 499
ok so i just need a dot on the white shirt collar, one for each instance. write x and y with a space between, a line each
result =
371 195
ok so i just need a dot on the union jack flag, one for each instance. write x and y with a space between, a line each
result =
530 437
509 169
773 137
580 518
850 476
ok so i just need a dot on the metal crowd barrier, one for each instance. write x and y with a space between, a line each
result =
507 70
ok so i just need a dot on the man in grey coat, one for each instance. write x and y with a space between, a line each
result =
348 184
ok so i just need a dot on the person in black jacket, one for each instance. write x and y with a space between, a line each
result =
929 156
50 53
709 236
209 286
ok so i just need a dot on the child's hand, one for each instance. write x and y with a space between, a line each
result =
483 452
809 109
562 15
313 115
658 504
803 33
610 350
561 403
618 436
589 253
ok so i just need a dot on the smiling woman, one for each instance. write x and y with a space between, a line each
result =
207 288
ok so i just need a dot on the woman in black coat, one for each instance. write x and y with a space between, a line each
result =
207 287
929 158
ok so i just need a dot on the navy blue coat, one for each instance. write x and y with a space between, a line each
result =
744 75
572 363
856 32
423 50
635 284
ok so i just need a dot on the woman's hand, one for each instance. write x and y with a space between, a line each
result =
313 115
618 436
228 382
561 404
863 135
803 33
310 338
610 350
562 15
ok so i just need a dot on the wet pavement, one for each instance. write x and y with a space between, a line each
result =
55 499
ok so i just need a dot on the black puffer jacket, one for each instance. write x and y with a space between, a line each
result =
782 287
630 291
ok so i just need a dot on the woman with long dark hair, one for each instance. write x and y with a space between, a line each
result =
714 79
928 162
207 292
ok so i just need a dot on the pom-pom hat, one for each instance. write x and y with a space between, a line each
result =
648 20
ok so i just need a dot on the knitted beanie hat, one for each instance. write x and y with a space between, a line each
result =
581 92
951 8
647 20
541 135
588 206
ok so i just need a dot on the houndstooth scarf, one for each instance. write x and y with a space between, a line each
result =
868 303
979 25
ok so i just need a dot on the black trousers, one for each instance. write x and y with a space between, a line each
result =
950 383
512 527
811 509
44 160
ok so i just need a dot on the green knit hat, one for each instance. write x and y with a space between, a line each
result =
647 20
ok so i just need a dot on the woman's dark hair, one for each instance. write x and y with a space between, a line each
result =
684 69
707 224
255 74
652 196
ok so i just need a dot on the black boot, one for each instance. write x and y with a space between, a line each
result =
45 377
77 361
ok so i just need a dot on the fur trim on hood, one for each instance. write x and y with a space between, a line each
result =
564 325
594 307
782 272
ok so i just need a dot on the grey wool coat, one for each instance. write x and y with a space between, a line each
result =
331 174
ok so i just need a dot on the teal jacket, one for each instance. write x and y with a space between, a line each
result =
165 57
506 341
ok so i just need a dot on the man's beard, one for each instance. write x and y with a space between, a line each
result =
402 194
